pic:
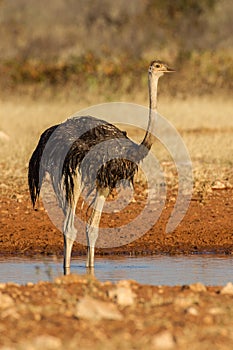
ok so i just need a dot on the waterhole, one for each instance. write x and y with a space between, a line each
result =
153 270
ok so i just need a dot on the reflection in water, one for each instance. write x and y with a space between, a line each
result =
155 270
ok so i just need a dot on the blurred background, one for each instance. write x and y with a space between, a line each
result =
97 44
60 56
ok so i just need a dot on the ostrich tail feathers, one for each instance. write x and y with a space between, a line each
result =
33 180
36 171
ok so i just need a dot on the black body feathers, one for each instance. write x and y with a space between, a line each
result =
101 153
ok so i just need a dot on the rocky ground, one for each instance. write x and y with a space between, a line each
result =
80 312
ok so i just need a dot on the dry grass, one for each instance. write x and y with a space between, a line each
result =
206 125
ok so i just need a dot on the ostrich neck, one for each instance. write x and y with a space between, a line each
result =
153 86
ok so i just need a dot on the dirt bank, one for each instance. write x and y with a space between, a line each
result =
207 226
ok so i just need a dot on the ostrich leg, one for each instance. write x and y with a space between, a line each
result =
93 224
70 234
69 230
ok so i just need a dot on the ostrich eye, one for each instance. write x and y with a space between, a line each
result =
157 65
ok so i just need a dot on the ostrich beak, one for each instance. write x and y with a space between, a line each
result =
169 70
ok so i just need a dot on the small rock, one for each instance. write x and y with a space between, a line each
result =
12 284
5 301
107 283
93 309
228 289
158 300
197 287
161 290
125 283
19 196
164 340
186 301
123 295
4 212
10 312
37 317
73 278
47 342
216 311
29 284
192 311
218 185
4 186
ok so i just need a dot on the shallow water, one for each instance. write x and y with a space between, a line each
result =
154 270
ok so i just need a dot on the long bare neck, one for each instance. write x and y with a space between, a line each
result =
153 86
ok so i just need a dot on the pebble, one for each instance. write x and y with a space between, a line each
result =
163 341
125 283
93 309
12 284
198 287
192 311
5 301
73 278
215 311
218 185
4 186
10 312
228 289
47 342
123 295
29 284
186 301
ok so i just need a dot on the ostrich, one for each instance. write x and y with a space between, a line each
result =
77 138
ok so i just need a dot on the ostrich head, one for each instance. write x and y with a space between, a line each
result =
158 68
